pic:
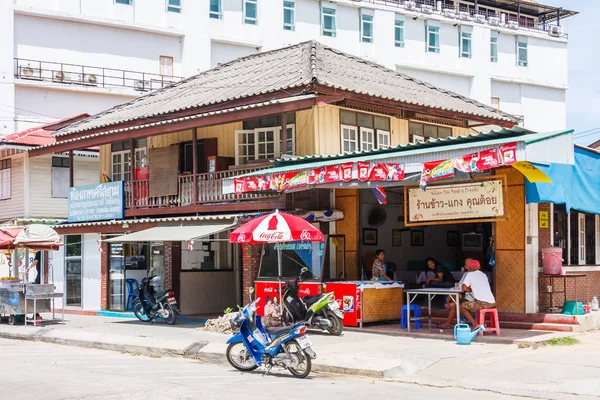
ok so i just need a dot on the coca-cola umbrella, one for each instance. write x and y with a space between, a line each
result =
276 228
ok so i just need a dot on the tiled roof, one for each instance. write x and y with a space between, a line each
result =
292 67
41 135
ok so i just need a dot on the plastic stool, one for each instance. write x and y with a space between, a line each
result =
132 284
416 311
494 322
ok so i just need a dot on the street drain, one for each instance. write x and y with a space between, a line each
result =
193 350
41 332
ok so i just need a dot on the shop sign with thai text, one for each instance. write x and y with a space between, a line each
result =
466 201
96 202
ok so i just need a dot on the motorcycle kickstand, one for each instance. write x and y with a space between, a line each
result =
268 370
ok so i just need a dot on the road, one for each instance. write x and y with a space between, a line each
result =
40 371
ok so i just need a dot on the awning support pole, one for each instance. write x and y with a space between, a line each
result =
195 164
132 177
71 171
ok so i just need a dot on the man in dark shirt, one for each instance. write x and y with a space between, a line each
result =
37 262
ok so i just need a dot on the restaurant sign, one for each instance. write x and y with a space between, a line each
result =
100 202
468 201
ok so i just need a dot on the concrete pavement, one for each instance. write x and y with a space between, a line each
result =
521 372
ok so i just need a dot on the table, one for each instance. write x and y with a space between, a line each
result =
552 292
431 293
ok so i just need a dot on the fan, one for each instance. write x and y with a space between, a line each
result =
377 216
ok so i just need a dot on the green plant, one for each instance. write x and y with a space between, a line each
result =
562 341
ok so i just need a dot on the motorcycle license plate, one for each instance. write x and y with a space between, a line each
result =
171 300
304 342
334 305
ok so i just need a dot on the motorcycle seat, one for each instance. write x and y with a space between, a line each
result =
275 332
310 300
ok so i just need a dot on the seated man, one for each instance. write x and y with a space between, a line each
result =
478 295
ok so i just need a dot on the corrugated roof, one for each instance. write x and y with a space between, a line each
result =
292 67
200 218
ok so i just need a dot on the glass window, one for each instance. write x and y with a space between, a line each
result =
415 128
263 144
295 256
465 45
347 117
494 49
399 33
382 123
422 132
365 120
73 246
216 11
328 23
430 131
367 139
289 15
126 2
521 54
383 139
366 28
251 12
60 177
496 102
174 6
73 273
444 132
433 38
5 179
349 138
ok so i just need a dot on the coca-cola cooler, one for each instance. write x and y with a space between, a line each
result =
269 291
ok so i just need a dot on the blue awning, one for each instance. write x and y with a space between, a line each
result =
577 186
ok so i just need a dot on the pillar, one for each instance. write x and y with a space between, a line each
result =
168 265
250 266
104 260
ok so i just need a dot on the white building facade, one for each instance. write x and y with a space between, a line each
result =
64 57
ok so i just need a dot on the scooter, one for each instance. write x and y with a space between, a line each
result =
148 306
253 346
320 311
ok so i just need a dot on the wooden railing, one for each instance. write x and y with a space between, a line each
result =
210 191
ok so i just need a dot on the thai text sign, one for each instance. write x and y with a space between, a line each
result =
100 202
475 200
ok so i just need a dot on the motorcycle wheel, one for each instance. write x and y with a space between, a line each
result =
172 317
293 348
138 310
336 324
246 363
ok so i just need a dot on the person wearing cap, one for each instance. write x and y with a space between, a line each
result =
476 285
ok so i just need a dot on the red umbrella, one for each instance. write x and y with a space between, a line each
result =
8 235
276 228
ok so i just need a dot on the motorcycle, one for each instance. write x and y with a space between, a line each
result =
150 305
253 346
320 311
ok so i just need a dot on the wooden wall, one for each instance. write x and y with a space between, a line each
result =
510 246
347 200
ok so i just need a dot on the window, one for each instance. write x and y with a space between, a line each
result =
73 271
399 32
60 177
432 34
581 238
263 144
215 9
214 252
420 132
578 234
174 6
465 45
126 2
496 102
494 49
251 12
328 22
289 15
121 168
166 65
363 132
521 54
366 28
5 179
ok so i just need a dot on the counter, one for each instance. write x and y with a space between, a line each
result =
368 301
270 289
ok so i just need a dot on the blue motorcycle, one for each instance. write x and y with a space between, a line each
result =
254 347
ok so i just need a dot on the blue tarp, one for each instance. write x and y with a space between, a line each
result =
577 186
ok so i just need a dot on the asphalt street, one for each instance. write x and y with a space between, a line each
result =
53 372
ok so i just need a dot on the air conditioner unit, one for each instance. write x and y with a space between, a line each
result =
555 30
142 85
62 77
426 9
27 72
513 24
480 19
494 21
90 79
450 13
463 15
410 5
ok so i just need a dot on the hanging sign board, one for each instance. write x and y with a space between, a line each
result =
473 201
96 202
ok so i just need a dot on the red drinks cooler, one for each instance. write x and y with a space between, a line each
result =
270 289
349 296
552 261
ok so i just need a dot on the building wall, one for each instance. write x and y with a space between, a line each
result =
15 206
199 289
347 201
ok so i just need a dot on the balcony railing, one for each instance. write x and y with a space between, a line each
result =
210 191
462 12
83 75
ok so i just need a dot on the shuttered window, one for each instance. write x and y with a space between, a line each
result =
4 179
60 177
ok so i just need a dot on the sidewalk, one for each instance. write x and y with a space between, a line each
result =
418 360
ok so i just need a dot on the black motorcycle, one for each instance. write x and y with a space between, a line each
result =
150 305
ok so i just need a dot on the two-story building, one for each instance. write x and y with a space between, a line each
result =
303 100
35 190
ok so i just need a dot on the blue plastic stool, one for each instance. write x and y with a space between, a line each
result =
414 310
132 284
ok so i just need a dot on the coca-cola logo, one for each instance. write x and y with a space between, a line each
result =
305 291
242 237
271 236
305 235
269 290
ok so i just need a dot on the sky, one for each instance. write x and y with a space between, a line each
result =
583 95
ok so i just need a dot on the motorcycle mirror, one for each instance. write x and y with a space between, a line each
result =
304 270
251 290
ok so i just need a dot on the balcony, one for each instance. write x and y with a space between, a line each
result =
210 196
88 76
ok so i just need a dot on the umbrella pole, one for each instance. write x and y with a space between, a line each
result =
279 262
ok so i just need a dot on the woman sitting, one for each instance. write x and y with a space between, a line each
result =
378 271
442 277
